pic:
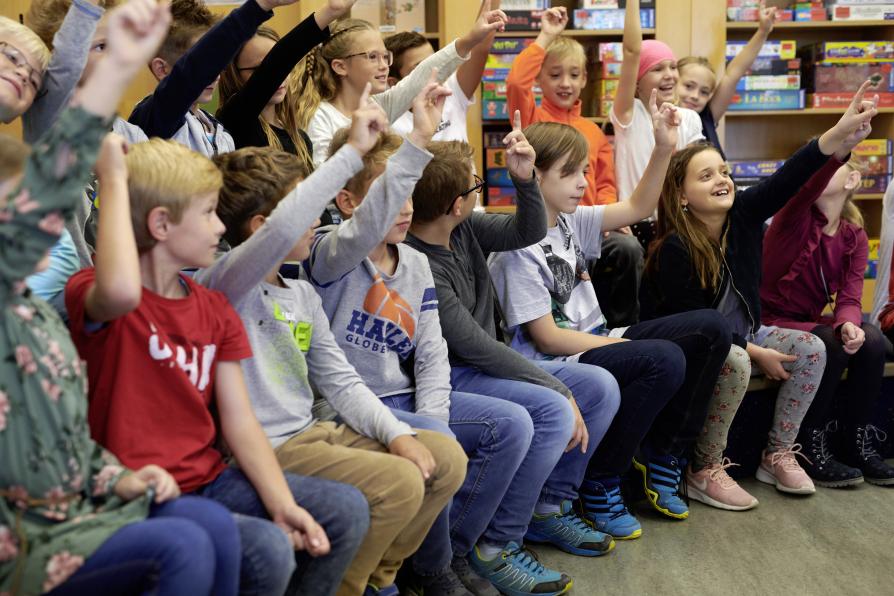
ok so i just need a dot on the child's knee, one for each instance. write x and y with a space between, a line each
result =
737 362
350 522
450 459
810 349
514 429
268 557
401 491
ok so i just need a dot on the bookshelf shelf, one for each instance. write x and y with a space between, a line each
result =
804 112
808 25
575 33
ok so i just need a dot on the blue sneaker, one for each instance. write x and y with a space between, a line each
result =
568 532
372 590
661 480
602 505
517 572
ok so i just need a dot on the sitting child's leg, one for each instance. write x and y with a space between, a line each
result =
616 278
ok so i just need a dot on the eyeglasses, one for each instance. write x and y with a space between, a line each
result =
375 57
479 186
18 60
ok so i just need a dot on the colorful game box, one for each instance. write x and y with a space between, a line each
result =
768 100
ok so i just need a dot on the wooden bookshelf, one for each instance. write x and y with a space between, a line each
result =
577 33
809 25
804 112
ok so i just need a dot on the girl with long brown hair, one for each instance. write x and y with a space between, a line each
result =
708 255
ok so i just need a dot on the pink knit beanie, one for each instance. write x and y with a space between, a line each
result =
651 53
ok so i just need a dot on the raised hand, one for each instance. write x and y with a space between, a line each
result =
554 21
306 534
367 122
136 30
427 109
767 17
520 155
334 9
488 21
853 127
665 122
110 162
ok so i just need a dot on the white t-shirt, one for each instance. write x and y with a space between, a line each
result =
326 121
546 278
634 144
453 119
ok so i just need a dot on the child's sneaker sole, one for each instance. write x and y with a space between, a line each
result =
880 481
839 483
633 536
653 496
698 495
768 478
535 538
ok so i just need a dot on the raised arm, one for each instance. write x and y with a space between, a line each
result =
632 42
739 65
522 75
469 73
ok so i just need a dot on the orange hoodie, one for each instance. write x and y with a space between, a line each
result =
601 187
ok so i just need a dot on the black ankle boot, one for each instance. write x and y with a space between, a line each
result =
822 468
862 452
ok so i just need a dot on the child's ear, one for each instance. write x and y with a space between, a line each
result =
344 200
159 67
256 221
853 180
339 67
158 222
457 208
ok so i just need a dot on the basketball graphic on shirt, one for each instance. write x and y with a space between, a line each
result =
387 304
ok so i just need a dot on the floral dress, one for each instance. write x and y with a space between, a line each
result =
56 501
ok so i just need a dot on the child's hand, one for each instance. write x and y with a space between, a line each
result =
853 127
271 4
520 155
581 435
767 17
303 530
488 22
665 122
554 21
367 122
852 338
135 485
110 162
136 30
335 9
408 447
427 109
862 131
770 362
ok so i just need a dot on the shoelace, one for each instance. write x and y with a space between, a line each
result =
718 473
526 559
616 505
786 457
867 447
576 522
824 454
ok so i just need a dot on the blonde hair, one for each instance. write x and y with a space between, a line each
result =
697 61
553 141
313 80
231 83
565 47
165 174
44 17
386 145
26 40
849 211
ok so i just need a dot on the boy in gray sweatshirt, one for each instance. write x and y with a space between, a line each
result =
407 479
380 297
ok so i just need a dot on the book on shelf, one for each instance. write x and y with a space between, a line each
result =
843 100
862 12
592 19
844 52
768 100
769 82
775 67
777 49
840 78
754 168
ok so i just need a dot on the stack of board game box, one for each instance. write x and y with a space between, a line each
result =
774 80
835 69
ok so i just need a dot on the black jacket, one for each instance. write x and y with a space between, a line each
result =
672 286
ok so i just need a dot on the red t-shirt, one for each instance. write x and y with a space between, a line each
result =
151 375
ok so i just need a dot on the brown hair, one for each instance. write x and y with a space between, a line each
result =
313 80
255 179
386 145
553 141
850 212
399 44
231 83
189 19
13 154
705 252
44 17
697 61
165 174
444 179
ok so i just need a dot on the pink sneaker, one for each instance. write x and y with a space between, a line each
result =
713 486
780 469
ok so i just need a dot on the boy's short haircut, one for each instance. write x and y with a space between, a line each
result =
255 179
13 154
165 174
399 44
445 178
189 19
564 47
552 141
386 145
44 17
26 40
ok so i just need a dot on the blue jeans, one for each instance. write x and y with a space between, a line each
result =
268 559
188 546
496 435
546 473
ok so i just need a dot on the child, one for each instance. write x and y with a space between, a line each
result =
366 279
159 348
698 89
708 256
665 376
295 347
253 105
331 79
816 248
883 297
559 66
409 49
71 517
563 399
647 65
188 67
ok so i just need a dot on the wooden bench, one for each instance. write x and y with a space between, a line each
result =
760 383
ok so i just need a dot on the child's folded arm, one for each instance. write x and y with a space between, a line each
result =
343 249
849 298
240 270
71 46
334 377
432 365
496 233
163 113
520 82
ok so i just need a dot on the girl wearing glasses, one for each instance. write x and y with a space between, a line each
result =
331 79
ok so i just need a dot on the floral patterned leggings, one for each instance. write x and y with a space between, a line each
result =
792 402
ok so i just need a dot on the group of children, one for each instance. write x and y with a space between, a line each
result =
409 392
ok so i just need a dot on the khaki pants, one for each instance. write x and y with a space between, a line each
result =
402 506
